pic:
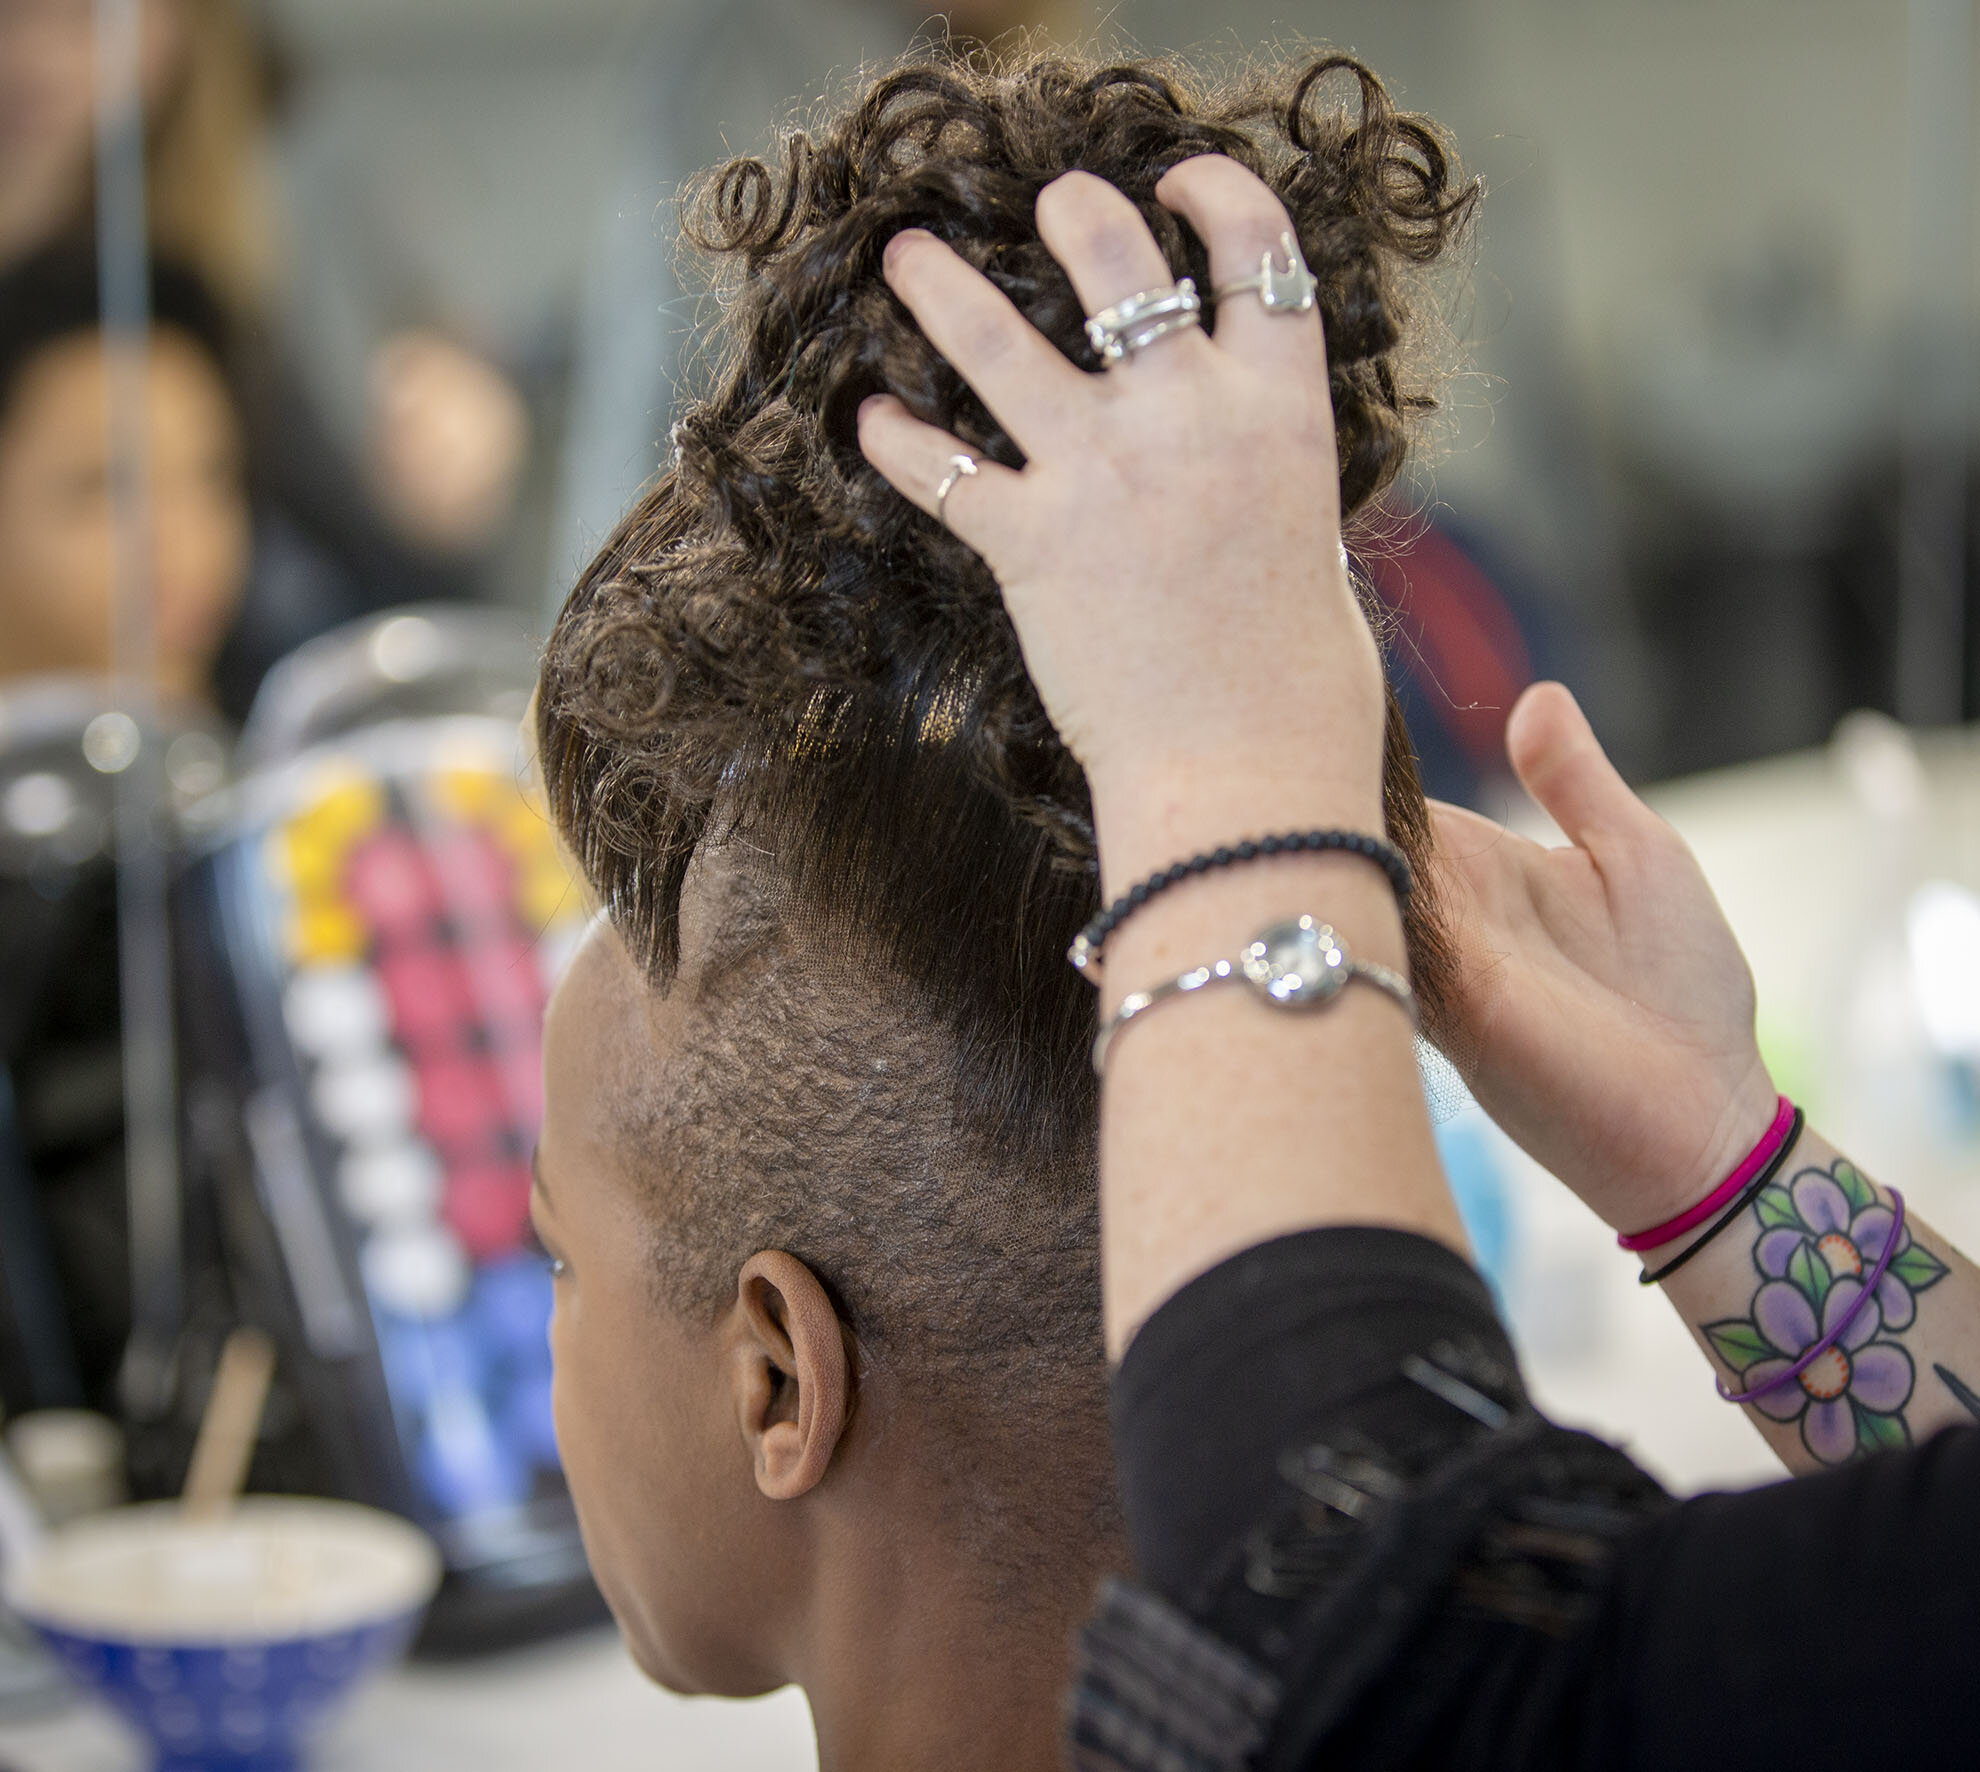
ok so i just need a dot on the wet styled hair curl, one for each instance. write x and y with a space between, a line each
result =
775 645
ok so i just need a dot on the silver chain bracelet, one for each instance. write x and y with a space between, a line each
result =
1300 966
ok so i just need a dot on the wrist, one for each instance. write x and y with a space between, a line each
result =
1211 917
1743 1121
1166 809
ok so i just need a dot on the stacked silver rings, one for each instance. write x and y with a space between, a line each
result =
1131 325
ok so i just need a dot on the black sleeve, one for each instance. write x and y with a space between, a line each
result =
1830 1621
1362 1547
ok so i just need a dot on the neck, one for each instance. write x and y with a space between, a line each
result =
922 1665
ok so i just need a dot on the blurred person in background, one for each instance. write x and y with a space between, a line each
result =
206 87
57 521
416 518
63 1112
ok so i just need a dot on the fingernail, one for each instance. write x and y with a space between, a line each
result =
900 243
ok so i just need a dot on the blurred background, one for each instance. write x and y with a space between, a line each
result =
1710 458
1710 454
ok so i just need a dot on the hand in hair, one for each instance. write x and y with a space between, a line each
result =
1170 553
1606 1020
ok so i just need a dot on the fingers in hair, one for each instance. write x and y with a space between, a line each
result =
1105 247
1240 220
915 458
1020 375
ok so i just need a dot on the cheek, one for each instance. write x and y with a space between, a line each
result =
649 1470
73 551
569 1376
199 562
605 1430
55 565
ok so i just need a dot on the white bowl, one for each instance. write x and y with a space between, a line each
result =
228 1641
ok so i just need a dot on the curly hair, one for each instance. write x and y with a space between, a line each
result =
776 644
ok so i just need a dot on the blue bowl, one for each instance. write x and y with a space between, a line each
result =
228 1643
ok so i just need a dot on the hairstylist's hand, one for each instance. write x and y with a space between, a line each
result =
1171 551
1171 556
1607 1015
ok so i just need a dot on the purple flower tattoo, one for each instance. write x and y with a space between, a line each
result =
1819 1235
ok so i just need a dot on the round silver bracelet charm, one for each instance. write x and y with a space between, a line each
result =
1297 965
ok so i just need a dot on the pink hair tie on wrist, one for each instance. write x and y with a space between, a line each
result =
1755 1160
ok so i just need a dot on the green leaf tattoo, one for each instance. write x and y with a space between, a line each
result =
1856 1190
1775 1208
1918 1268
1738 1343
1880 1433
1808 1271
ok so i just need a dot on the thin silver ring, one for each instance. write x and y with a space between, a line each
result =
1128 326
1291 291
961 467
1138 338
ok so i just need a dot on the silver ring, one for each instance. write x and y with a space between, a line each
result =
1131 325
1290 291
961 467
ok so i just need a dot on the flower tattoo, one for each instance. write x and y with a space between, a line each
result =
1820 1235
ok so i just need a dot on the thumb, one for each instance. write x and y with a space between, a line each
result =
1561 763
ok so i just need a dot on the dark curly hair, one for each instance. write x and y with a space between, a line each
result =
776 645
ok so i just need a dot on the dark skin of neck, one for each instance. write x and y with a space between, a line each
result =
912 1667
911 1652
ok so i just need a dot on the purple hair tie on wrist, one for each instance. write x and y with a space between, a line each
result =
1755 1160
1821 1347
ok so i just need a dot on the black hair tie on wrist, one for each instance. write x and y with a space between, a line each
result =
1085 950
1748 1194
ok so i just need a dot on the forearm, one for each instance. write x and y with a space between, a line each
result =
1213 1136
1775 1282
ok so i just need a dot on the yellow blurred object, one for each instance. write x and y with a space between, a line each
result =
345 805
549 893
323 933
308 866
307 855
477 796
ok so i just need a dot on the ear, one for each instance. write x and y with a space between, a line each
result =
792 1375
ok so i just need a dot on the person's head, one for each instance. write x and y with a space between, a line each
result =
828 1025
205 83
57 519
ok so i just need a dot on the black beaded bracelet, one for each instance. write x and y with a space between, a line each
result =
1747 1195
1085 950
